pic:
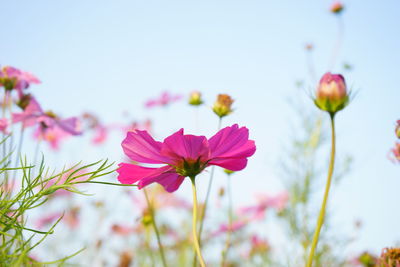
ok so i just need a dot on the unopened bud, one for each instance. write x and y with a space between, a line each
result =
331 94
195 98
222 107
337 7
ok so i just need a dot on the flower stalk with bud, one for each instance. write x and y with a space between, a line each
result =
331 96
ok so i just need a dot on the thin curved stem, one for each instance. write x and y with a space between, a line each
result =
203 213
325 199
194 228
230 220
153 222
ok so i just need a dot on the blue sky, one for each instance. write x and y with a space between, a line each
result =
110 56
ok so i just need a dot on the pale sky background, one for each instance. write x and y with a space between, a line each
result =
110 56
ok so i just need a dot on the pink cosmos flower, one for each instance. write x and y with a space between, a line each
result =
33 114
277 202
13 78
4 125
165 99
183 156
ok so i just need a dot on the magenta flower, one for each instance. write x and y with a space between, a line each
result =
183 156
33 114
13 78
165 99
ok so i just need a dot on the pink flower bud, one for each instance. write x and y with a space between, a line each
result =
331 94
336 7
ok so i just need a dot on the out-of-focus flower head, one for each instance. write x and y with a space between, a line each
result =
265 202
13 78
100 131
365 259
223 105
4 125
337 7
309 47
51 128
390 257
165 99
397 130
396 152
122 230
125 259
183 156
259 246
331 94
195 98
236 226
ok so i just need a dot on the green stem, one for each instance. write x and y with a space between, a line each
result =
203 213
194 220
327 187
153 222
230 220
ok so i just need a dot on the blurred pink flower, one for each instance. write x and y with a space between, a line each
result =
13 78
395 153
123 230
100 135
236 225
48 219
4 125
184 156
33 114
264 202
165 99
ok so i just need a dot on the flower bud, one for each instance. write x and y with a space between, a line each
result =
222 107
336 7
195 98
331 94
397 130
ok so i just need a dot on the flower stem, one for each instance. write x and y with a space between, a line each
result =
203 213
194 220
230 219
153 222
325 199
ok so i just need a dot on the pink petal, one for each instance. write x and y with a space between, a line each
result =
179 146
130 173
140 146
232 142
70 125
233 164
